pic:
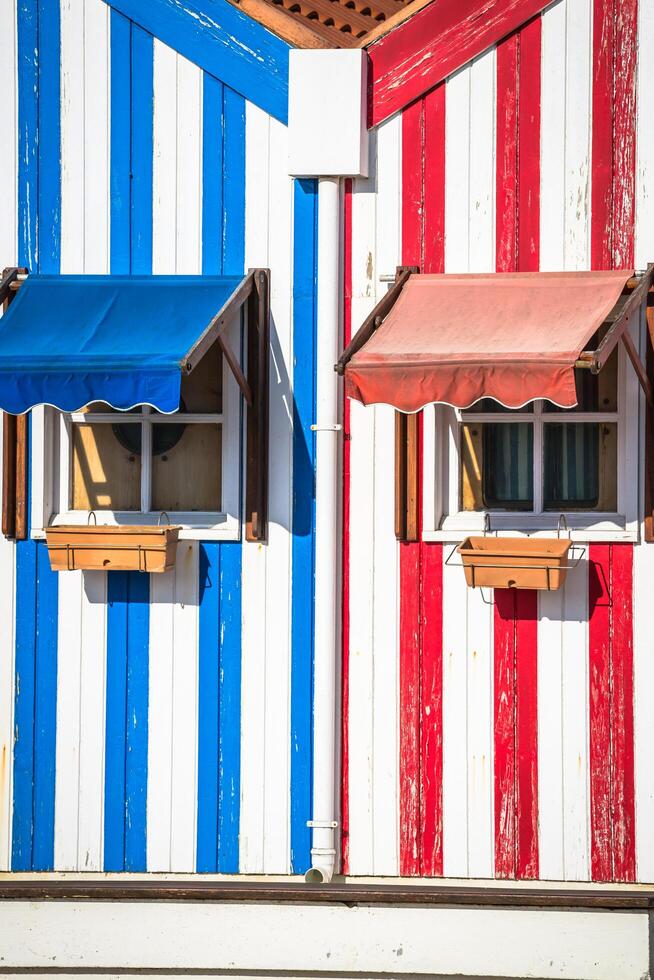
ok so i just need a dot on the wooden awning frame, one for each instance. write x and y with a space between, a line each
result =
253 290
640 292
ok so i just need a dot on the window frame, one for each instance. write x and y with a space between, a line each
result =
51 478
443 520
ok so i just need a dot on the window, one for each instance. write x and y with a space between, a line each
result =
525 467
544 458
144 461
130 466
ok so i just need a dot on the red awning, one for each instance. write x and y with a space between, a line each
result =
454 339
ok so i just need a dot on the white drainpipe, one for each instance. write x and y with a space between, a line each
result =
327 428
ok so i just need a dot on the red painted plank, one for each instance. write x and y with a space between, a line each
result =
624 130
599 659
421 628
431 586
602 142
612 804
431 710
504 716
433 193
345 611
413 141
526 763
529 147
506 227
622 716
518 150
409 709
614 133
439 39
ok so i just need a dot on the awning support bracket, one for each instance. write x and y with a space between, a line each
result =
255 290
376 317
618 332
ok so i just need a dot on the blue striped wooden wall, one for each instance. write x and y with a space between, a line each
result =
101 685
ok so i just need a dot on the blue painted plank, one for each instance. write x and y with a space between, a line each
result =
136 766
49 229
28 119
126 744
116 720
142 143
121 142
223 41
208 707
230 707
212 176
305 274
233 243
24 707
45 708
35 709
39 197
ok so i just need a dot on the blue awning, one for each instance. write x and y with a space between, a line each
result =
68 341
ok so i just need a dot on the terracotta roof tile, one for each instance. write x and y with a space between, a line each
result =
329 23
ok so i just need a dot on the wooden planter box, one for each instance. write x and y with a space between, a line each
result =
515 563
112 548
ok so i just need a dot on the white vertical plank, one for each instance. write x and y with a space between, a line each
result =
363 486
254 599
553 133
455 724
9 155
277 777
551 857
455 599
184 709
160 719
7 648
189 168
164 160
173 714
385 769
97 97
69 658
79 789
563 733
265 704
85 166
481 208
457 171
93 629
72 135
575 726
644 554
578 75
480 738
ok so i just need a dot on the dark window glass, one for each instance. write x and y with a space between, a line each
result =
508 465
580 464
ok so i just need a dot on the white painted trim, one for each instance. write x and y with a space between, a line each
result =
586 945
454 525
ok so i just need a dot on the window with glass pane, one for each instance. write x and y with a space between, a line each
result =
542 458
144 461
